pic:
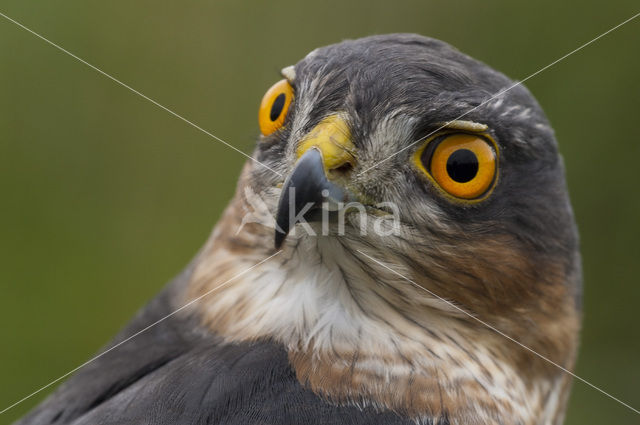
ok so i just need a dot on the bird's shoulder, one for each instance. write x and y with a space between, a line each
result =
171 373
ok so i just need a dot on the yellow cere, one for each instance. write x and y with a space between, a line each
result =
332 138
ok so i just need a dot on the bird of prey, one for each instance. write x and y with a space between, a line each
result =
462 310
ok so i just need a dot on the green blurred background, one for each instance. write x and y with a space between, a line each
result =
104 196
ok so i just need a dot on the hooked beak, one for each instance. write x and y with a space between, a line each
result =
326 151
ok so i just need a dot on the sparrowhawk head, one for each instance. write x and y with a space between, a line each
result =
396 120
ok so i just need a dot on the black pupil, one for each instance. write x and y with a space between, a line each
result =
276 108
462 165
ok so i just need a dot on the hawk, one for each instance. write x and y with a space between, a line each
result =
461 307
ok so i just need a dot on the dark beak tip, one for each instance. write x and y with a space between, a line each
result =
279 239
306 187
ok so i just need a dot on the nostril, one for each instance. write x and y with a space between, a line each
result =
343 169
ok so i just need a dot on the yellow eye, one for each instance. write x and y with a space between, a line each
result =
274 107
463 165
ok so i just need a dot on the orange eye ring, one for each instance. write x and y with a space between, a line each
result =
274 107
463 165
